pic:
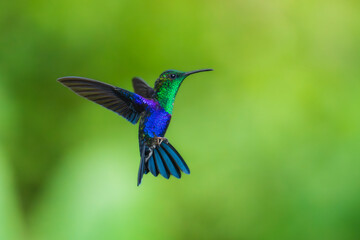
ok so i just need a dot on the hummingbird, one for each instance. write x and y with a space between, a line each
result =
152 106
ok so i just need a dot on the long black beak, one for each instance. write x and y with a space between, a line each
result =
196 71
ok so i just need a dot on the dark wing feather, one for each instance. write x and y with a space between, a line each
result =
142 88
124 103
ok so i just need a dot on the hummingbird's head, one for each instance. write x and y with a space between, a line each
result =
167 85
174 78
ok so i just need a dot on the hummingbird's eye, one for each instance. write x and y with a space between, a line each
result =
173 76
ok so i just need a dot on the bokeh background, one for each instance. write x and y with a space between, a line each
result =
272 136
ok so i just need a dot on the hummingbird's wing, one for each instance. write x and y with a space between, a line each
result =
142 88
127 104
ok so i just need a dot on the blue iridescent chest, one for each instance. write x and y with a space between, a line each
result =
155 121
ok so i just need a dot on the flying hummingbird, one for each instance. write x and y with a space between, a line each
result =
153 106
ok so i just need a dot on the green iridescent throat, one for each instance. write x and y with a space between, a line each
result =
166 92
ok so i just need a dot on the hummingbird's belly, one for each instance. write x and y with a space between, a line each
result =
154 124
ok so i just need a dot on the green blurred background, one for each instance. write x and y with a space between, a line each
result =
272 136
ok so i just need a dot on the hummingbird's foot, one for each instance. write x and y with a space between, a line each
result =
148 154
159 140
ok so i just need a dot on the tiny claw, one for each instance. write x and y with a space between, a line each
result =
148 155
159 140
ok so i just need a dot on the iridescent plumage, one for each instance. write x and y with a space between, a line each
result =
152 106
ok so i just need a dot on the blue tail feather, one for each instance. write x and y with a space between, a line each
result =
152 167
162 169
142 167
164 159
167 161
176 157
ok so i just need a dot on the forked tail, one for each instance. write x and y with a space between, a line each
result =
164 160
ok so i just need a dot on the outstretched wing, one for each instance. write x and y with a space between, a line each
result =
127 104
142 88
